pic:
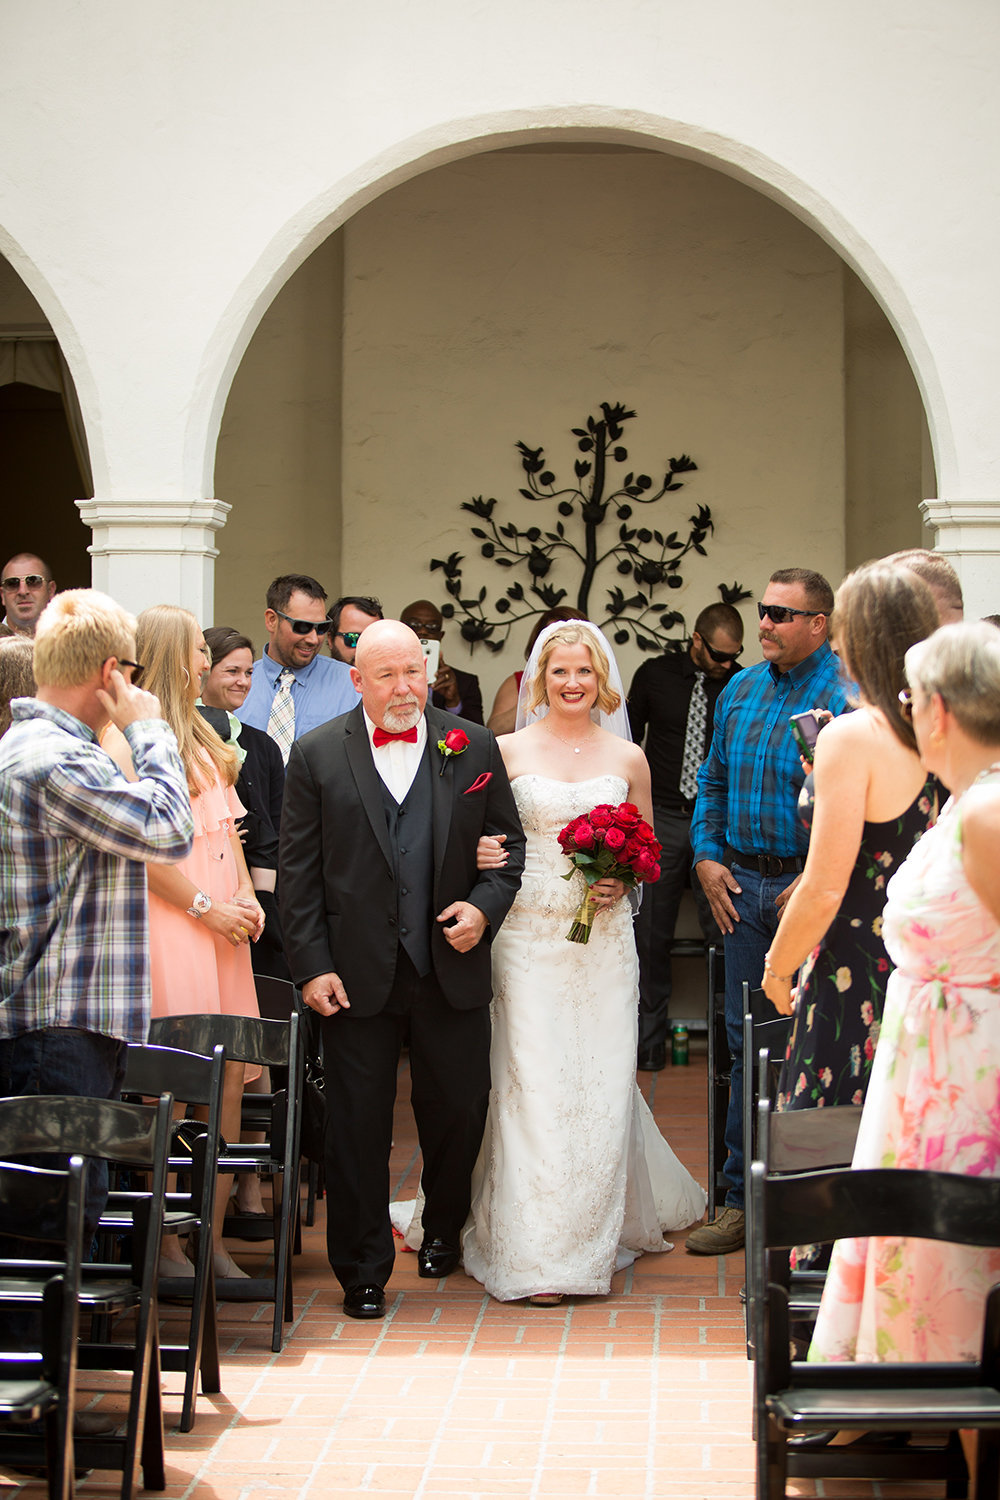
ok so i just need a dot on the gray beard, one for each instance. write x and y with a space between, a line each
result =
402 717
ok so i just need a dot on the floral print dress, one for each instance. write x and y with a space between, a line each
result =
843 981
933 1104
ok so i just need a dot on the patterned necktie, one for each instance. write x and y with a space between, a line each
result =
694 739
281 720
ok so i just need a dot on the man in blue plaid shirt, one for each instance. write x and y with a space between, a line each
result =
74 835
748 843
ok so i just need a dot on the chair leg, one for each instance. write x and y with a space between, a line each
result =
211 1376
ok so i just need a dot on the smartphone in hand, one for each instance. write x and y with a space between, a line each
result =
805 730
432 656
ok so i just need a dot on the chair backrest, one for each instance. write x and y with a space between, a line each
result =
68 1123
819 1207
245 1038
808 1140
275 997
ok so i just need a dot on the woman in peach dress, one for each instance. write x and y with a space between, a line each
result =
202 911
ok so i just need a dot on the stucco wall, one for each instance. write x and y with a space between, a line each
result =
165 171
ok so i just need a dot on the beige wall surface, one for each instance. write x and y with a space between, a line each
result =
278 457
504 297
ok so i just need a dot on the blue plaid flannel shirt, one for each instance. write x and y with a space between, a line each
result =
748 787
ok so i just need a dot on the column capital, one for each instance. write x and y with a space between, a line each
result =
967 533
153 551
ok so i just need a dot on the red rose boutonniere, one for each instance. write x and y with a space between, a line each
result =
455 742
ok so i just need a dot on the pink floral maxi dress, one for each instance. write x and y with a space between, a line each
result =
933 1103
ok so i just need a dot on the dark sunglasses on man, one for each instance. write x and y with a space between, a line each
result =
721 657
305 627
780 614
30 581
350 638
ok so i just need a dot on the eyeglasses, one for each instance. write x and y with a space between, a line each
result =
424 627
720 656
137 668
350 638
305 627
780 614
30 580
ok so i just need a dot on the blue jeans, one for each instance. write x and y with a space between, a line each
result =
745 948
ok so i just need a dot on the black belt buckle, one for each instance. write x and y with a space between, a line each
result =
771 864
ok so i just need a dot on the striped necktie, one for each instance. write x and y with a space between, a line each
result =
281 720
694 739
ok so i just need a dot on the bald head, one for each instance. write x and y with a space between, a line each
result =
390 673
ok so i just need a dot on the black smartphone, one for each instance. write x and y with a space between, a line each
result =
805 730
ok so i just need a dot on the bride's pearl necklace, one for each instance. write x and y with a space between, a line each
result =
576 749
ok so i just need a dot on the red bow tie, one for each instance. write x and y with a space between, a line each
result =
383 737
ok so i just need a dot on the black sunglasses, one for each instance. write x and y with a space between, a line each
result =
350 638
31 581
305 627
780 614
719 656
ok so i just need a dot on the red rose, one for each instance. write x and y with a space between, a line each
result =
583 834
644 864
627 816
645 834
614 839
602 817
633 848
653 875
456 740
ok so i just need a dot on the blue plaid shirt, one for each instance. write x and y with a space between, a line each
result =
748 788
74 946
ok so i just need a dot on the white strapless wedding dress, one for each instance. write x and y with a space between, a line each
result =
573 1180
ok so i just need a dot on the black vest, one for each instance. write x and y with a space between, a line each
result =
411 839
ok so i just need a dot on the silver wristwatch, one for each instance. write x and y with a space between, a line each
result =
201 905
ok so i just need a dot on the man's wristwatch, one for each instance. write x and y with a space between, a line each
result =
201 905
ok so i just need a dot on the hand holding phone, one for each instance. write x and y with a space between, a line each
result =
805 730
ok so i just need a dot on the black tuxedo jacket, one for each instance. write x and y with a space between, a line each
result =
338 900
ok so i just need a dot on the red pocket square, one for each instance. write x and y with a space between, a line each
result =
479 783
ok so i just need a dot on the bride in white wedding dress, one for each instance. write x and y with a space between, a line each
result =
574 1180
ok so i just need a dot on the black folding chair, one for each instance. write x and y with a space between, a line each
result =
765 1038
277 999
271 1044
719 1068
798 1398
194 1081
41 1386
135 1136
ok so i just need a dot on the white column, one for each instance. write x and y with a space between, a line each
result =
968 535
156 551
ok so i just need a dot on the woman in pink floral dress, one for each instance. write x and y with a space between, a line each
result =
933 1102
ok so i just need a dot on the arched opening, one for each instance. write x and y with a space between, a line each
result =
501 296
45 465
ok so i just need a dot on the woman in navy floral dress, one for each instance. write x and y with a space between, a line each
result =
867 802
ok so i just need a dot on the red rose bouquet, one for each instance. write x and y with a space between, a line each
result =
608 843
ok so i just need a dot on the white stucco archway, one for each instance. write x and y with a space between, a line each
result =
452 140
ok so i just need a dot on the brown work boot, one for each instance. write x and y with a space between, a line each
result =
724 1234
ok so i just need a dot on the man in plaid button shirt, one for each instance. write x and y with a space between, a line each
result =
74 836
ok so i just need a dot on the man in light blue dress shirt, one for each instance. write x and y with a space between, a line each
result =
321 688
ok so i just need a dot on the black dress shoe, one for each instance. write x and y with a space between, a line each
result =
437 1258
652 1059
364 1302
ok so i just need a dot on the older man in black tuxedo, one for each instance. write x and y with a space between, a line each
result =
387 923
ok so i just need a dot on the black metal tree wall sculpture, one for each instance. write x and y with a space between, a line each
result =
650 559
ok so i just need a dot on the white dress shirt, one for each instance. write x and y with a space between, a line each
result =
397 762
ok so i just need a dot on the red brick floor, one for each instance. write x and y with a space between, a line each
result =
453 1396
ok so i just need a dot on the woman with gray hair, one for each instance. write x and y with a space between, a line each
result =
933 1101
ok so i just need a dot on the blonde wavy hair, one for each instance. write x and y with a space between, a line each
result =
164 640
572 634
